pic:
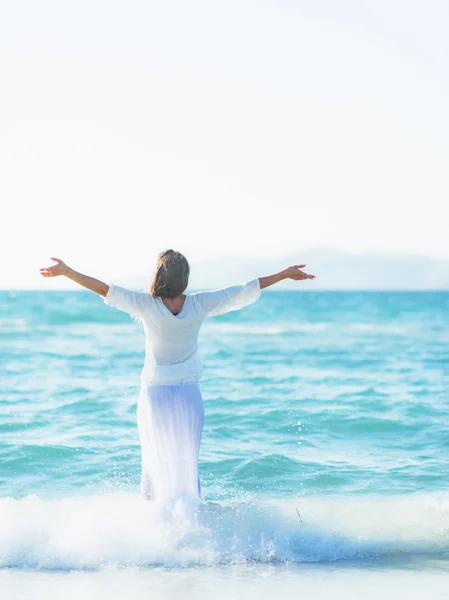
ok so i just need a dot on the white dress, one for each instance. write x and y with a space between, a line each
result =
170 413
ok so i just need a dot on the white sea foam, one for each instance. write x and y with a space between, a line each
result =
12 323
98 532
378 328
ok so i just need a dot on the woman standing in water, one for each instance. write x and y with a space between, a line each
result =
170 412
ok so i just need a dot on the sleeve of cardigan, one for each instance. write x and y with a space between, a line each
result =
130 301
234 297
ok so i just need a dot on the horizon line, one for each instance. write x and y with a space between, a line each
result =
81 289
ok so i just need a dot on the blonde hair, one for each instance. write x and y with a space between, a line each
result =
172 274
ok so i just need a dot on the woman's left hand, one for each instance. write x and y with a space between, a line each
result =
294 272
55 270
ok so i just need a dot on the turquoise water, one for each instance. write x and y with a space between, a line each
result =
333 405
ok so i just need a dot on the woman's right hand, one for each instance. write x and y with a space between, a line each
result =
55 270
294 272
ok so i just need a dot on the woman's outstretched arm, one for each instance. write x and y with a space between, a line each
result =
235 297
88 282
293 272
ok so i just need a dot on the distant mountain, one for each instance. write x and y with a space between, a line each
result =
334 270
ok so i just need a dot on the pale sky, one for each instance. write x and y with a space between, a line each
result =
235 128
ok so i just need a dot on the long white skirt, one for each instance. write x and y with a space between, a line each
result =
170 420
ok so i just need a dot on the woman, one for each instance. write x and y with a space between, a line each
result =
170 412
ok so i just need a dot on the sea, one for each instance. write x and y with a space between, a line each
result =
324 462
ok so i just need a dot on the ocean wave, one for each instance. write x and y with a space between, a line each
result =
317 327
16 326
97 532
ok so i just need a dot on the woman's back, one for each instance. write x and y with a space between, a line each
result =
172 338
